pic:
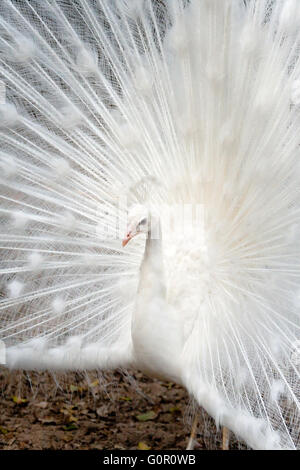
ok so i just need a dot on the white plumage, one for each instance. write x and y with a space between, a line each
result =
178 104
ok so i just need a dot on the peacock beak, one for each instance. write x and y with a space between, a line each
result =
128 237
125 241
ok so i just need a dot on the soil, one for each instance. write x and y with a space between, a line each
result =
117 411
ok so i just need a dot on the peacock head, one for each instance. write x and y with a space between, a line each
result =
138 222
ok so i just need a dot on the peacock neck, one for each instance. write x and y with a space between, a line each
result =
155 332
152 282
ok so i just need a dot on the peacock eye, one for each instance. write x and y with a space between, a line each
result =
143 221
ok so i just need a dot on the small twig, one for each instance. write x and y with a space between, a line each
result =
191 443
225 443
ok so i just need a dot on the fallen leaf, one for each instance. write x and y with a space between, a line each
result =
143 446
68 409
125 398
19 400
102 411
3 430
70 427
92 427
47 420
147 416
173 409
42 404
72 419
94 384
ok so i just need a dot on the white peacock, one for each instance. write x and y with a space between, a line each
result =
189 103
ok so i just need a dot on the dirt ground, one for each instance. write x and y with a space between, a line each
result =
119 411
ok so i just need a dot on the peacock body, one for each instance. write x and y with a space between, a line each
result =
152 105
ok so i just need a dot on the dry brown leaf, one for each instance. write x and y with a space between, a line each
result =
42 404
